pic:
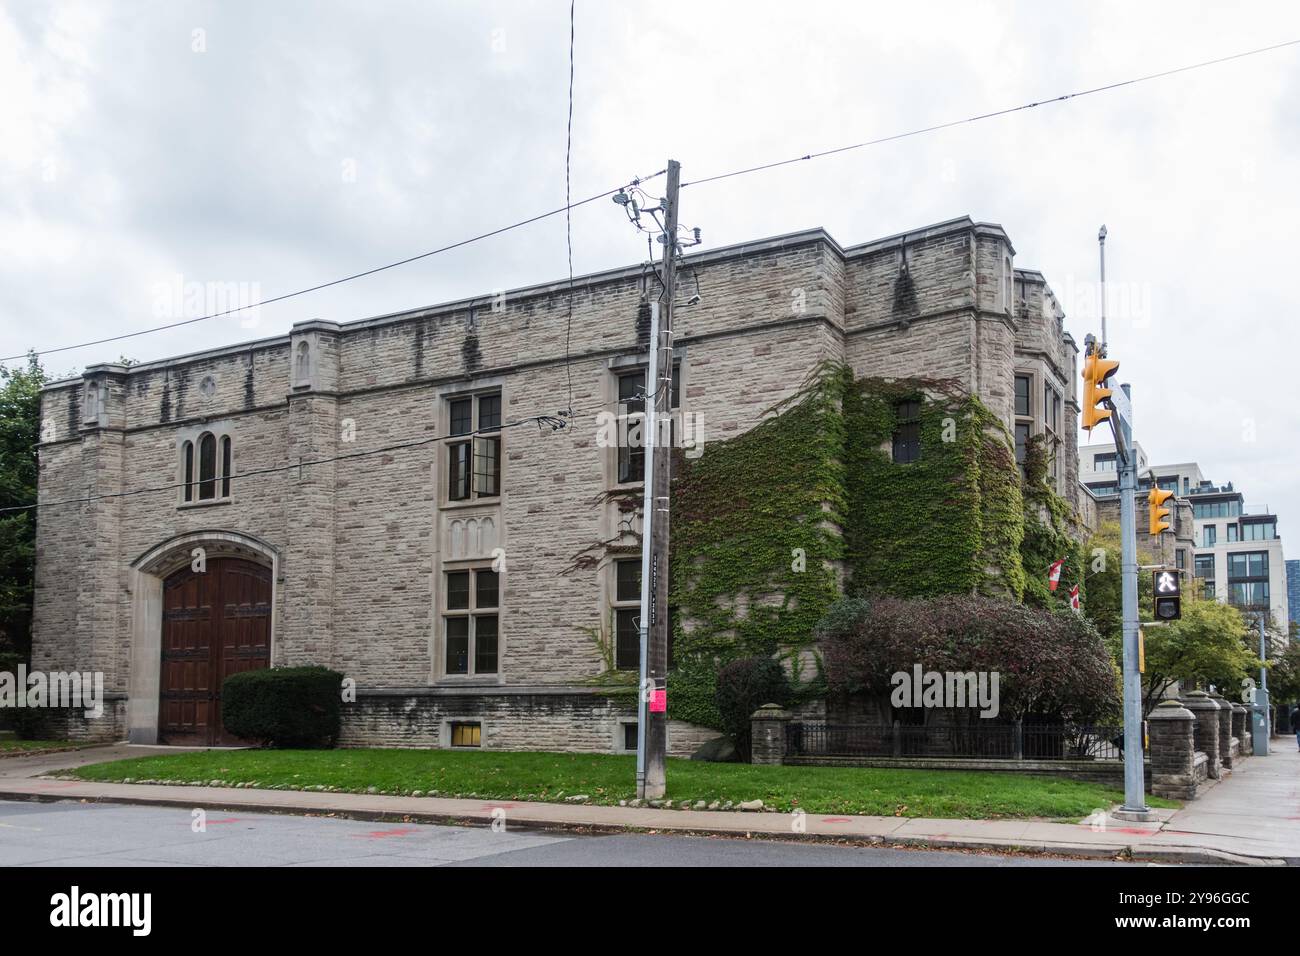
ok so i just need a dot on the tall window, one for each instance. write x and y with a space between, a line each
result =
1234 531
1205 573
206 466
1022 396
1105 462
474 451
1209 536
632 438
1248 579
1023 430
627 614
471 608
907 432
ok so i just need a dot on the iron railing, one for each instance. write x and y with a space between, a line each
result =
1001 741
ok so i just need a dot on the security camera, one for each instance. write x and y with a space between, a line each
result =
694 300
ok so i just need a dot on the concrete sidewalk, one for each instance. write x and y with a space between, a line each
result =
1251 818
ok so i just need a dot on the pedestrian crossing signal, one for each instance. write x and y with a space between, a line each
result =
1168 592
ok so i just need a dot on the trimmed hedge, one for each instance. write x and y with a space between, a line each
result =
283 706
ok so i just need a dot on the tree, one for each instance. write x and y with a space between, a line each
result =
20 431
1104 605
1210 644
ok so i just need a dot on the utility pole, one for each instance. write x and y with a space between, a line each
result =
647 541
657 642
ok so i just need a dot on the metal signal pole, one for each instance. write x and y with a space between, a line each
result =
657 642
1121 421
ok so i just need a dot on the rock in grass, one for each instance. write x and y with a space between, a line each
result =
751 805
700 804
372 789
577 798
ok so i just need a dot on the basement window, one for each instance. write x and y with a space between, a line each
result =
466 735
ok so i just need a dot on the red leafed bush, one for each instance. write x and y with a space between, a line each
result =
1050 664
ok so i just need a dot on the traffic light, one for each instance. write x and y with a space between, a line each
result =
1156 499
1096 370
1168 592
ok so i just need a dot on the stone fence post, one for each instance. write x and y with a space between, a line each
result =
1173 751
1225 729
1206 712
1241 729
767 734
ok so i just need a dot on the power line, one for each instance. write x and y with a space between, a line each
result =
996 113
356 275
541 421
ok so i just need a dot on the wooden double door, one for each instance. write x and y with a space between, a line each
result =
216 622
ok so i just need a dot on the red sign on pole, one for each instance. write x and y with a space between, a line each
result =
659 701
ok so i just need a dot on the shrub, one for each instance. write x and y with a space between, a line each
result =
1049 663
744 685
283 706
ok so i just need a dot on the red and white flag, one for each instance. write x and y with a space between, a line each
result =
1074 599
1054 574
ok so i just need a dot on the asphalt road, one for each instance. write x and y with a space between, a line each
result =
101 834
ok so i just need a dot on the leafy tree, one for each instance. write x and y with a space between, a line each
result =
1051 665
20 403
1284 674
1103 605
1209 645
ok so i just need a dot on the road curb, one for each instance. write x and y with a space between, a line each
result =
1136 852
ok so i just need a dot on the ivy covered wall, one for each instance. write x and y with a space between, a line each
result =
772 527
756 544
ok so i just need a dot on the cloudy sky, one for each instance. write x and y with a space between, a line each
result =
148 145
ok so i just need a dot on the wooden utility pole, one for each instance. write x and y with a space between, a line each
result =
657 652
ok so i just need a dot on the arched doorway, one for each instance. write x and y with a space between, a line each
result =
215 622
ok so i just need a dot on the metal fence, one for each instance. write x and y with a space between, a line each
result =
1013 741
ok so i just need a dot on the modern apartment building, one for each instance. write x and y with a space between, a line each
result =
1238 555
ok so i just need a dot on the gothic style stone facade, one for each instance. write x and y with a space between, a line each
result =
432 574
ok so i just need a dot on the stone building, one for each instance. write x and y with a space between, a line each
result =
359 495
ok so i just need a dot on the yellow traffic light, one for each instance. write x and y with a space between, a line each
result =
1156 499
1096 370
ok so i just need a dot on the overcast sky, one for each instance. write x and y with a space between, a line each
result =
144 145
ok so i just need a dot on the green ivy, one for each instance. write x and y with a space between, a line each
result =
949 522
771 528
755 542
1052 532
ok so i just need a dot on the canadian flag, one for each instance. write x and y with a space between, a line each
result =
1074 599
1054 574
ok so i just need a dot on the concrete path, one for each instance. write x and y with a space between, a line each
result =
1253 817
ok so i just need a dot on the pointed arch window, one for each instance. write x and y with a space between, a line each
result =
207 467
187 460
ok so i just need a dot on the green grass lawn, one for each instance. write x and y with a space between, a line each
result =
607 778
15 746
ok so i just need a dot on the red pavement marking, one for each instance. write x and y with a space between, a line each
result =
499 806
226 820
383 834
1137 831
836 820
